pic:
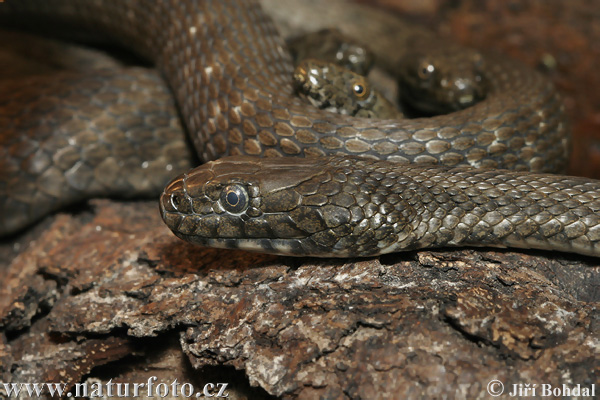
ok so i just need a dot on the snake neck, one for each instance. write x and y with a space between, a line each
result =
414 207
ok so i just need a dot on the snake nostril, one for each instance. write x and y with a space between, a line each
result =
175 201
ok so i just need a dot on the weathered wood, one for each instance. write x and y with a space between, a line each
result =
419 323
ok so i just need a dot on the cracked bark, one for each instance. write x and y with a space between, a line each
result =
409 324
108 292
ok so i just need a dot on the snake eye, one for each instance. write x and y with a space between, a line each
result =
361 88
234 198
425 70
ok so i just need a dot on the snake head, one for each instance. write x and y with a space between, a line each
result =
333 88
441 81
316 206
336 89
332 45
241 202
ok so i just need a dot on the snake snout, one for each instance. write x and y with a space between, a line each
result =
466 93
174 203
169 199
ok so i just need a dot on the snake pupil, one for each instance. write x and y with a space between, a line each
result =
426 70
234 198
360 88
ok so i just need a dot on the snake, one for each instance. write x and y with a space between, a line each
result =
474 177
331 46
337 89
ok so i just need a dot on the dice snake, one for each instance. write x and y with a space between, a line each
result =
231 77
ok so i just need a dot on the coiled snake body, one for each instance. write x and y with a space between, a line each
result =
231 77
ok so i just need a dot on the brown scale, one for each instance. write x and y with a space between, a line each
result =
231 77
343 206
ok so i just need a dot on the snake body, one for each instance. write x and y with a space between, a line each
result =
343 206
231 77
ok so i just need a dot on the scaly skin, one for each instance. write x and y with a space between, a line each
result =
337 89
344 206
332 46
231 77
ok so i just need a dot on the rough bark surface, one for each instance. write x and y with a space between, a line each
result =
411 324
105 291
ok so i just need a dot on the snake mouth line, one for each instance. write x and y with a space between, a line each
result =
267 245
